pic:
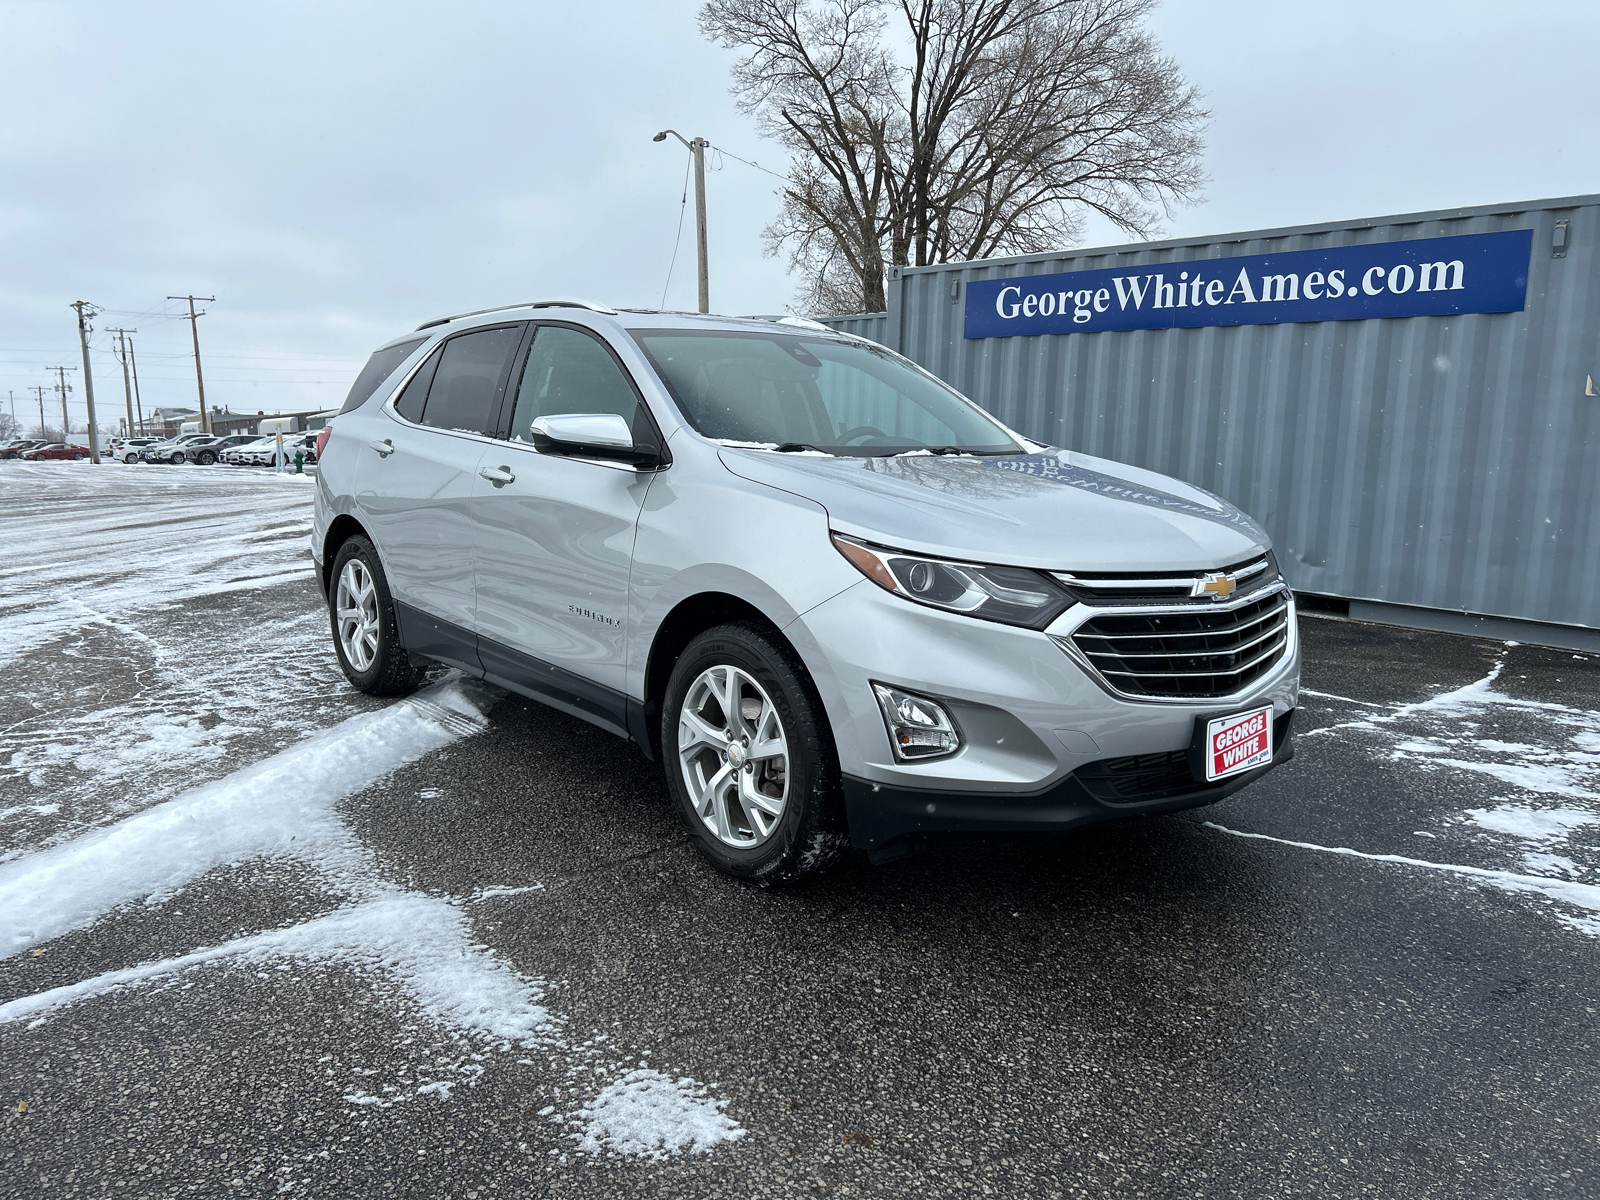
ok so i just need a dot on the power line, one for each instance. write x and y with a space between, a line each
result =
748 163
683 207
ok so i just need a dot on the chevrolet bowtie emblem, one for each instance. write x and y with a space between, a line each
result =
1219 586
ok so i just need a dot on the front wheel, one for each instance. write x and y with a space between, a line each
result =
206 458
366 632
750 758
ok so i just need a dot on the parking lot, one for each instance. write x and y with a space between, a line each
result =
265 935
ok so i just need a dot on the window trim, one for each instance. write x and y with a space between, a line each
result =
508 405
434 355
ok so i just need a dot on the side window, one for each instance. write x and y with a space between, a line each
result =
379 367
569 372
462 394
409 403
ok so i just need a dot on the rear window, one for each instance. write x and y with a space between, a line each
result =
379 367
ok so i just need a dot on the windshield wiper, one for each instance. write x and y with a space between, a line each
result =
796 447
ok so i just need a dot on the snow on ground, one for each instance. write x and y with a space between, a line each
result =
1547 756
652 1115
165 589
153 571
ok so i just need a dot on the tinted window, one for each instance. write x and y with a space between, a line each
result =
409 402
461 396
843 397
379 367
570 372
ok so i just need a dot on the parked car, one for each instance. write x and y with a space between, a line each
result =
17 449
839 602
171 450
128 450
56 451
207 451
262 451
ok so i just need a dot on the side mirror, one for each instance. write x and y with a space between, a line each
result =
590 435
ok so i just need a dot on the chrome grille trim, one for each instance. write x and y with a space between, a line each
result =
1128 664
1163 588
1218 674
1277 628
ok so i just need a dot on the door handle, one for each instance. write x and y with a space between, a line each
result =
384 447
499 476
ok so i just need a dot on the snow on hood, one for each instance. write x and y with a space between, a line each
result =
1057 510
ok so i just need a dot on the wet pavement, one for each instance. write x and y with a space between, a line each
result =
267 936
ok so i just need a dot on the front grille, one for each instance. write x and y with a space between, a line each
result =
1123 588
1138 777
1190 654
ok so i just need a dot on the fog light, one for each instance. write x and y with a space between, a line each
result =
919 728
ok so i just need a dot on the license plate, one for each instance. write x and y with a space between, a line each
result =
1238 743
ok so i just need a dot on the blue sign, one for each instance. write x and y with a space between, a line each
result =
1476 272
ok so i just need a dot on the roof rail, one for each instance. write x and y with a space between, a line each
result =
801 322
555 302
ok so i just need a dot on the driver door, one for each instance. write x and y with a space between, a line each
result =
553 536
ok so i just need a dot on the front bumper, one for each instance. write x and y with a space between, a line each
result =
881 814
1035 723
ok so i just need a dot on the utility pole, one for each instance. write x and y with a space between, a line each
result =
64 388
122 357
697 147
194 328
133 361
39 390
85 311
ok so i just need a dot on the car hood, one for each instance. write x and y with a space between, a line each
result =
1056 510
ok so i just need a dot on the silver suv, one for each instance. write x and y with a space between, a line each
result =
841 604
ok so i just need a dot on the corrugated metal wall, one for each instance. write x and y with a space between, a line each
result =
874 326
1445 462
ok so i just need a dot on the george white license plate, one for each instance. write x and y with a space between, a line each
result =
1238 743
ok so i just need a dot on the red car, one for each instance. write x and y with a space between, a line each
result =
56 450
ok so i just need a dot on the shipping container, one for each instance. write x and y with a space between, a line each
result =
1424 462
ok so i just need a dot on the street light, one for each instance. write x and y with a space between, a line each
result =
697 147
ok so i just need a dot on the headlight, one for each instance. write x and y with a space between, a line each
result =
1011 595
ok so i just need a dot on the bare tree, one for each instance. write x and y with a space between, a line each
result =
926 131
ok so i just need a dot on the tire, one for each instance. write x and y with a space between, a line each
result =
808 835
206 458
390 671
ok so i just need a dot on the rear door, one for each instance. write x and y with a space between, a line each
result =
415 485
554 541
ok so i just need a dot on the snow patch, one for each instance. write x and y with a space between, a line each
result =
650 1115
1536 824
1579 895
283 804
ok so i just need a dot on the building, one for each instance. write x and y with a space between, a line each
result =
224 422
1407 403
167 422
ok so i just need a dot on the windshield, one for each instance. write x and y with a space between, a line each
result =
796 392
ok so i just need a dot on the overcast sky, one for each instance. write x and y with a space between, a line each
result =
336 173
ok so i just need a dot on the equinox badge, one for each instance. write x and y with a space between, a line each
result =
1218 585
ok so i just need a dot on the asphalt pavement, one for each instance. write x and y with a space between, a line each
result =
1374 973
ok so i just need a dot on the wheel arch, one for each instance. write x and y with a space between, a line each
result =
340 530
689 618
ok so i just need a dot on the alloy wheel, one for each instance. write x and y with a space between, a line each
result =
355 605
734 756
